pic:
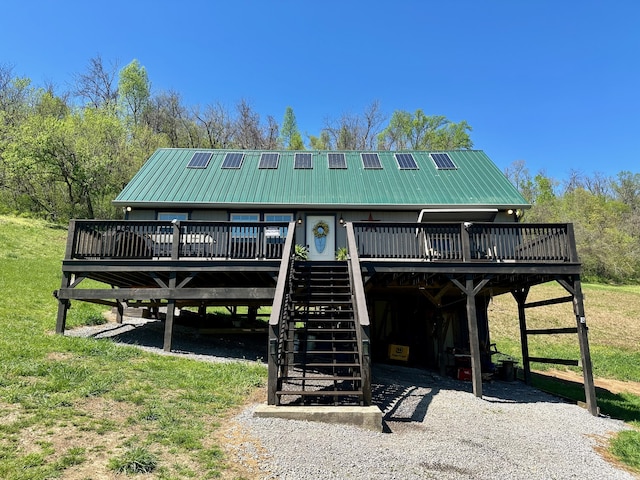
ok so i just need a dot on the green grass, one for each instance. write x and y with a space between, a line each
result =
94 404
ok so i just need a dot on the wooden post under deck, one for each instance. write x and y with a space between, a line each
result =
587 368
63 305
474 341
521 297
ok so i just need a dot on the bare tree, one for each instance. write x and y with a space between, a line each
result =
97 86
216 123
599 184
247 131
356 132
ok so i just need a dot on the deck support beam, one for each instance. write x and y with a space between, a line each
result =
171 310
587 369
63 304
119 311
520 296
471 290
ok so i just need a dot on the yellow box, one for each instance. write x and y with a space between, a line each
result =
398 352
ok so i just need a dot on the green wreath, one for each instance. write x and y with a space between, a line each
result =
320 229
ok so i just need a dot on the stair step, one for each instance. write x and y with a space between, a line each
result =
330 352
324 378
321 393
324 364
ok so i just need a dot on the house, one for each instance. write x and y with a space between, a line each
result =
428 238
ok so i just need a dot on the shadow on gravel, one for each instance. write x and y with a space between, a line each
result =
404 394
149 334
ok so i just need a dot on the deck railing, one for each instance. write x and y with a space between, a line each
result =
100 239
463 242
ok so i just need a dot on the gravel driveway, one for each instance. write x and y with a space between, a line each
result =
434 426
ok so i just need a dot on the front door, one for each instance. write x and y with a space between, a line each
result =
321 237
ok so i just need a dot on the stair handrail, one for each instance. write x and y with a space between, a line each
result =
360 311
277 313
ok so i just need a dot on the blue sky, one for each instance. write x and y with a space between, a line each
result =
553 83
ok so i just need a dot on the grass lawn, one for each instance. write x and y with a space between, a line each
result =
84 408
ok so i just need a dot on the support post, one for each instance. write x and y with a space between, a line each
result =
474 340
587 369
521 297
272 364
63 305
168 325
171 308
119 311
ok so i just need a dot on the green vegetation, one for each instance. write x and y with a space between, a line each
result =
67 154
614 335
134 460
605 213
76 406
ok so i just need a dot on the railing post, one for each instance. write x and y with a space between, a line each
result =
466 243
71 241
275 318
175 245
573 250
361 313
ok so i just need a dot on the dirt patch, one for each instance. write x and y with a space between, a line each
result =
614 386
244 453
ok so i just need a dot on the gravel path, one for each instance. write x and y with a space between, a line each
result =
434 426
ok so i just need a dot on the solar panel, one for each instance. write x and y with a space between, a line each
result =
443 161
371 160
406 161
233 160
269 160
302 160
337 160
200 160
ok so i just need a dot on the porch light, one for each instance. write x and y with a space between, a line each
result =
341 220
299 220
128 208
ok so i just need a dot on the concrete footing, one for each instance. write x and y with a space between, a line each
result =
364 417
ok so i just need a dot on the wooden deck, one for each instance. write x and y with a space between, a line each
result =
156 263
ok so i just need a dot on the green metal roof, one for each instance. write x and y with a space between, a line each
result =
164 180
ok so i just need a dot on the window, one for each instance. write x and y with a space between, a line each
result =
282 231
170 216
245 231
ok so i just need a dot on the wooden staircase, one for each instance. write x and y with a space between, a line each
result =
320 354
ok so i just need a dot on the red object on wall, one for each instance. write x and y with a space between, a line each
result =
464 374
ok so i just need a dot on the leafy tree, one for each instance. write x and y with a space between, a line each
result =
290 137
134 90
418 131
322 142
